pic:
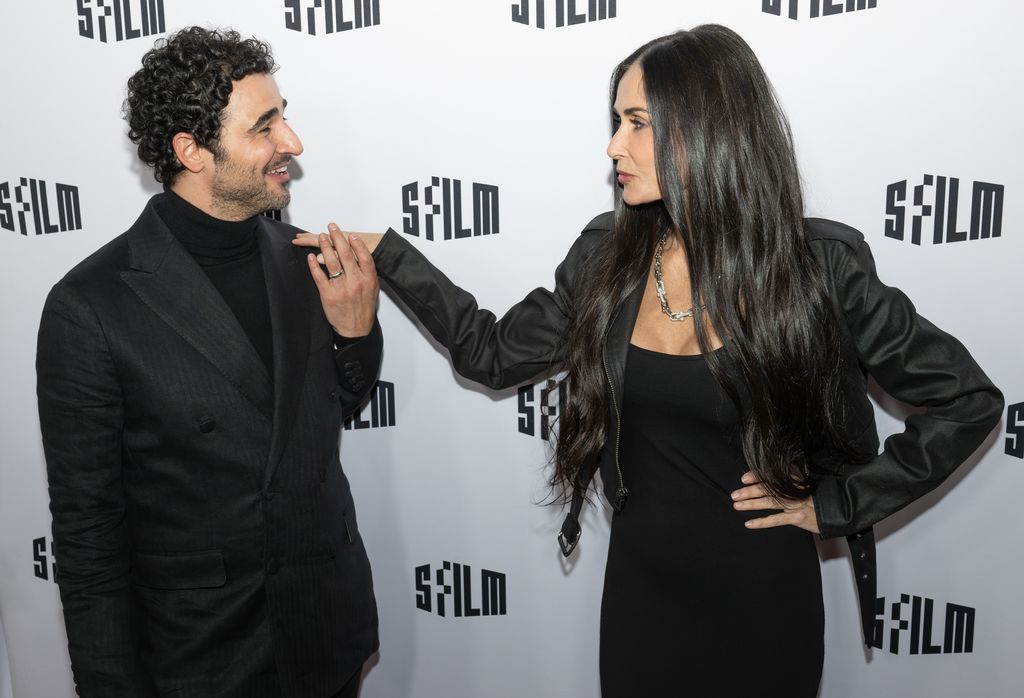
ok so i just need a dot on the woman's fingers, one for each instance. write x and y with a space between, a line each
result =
306 240
789 512
313 239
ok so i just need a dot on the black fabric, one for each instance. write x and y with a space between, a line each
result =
206 537
229 254
884 336
351 688
692 598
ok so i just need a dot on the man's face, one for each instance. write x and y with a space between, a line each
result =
250 173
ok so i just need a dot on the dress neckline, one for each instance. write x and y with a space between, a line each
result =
652 352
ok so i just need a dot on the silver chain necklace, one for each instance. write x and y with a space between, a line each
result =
659 286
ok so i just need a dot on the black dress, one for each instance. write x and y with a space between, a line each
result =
695 604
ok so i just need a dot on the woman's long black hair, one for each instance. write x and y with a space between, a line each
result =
730 188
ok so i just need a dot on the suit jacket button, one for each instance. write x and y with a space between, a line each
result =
273 565
207 425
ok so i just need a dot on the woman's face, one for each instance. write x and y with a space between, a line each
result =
632 145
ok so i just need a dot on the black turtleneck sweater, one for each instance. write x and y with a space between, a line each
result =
229 253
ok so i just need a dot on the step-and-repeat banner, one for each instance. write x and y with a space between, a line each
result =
478 128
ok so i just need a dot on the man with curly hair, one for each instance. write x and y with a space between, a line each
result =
192 381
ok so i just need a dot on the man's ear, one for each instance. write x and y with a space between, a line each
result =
191 155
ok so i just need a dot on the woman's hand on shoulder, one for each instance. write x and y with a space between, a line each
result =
790 512
313 240
346 280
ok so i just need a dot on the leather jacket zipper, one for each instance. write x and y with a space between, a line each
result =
621 493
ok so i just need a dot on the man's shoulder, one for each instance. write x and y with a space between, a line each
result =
101 266
280 228
92 284
282 234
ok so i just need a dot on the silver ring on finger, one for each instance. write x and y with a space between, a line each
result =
336 274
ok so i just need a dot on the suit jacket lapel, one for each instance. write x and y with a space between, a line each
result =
174 287
289 292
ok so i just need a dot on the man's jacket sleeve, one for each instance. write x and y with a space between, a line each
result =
81 415
358 362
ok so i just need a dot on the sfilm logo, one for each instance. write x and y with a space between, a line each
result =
913 618
330 15
943 206
819 8
380 409
442 209
1015 430
43 566
554 394
565 12
129 19
34 196
454 582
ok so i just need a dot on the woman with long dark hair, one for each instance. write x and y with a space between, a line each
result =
718 345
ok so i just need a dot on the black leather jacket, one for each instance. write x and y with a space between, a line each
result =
883 336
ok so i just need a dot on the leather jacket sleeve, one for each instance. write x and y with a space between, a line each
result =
498 353
915 362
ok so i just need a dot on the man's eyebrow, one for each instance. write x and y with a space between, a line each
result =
266 116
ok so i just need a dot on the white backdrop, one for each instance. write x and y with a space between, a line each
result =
457 89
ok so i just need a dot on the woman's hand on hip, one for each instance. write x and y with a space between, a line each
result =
790 512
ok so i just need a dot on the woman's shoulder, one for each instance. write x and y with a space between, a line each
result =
825 230
599 224
591 236
839 247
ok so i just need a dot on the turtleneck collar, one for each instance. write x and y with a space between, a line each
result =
204 236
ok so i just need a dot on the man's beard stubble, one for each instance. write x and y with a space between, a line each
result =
239 193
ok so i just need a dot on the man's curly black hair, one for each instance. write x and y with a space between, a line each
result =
183 86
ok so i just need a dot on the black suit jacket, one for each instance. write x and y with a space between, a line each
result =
205 533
